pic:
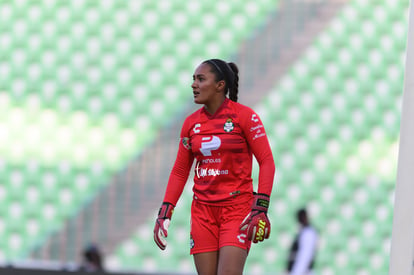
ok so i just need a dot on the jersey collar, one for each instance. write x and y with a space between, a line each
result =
222 106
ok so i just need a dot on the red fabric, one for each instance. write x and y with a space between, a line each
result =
223 145
213 227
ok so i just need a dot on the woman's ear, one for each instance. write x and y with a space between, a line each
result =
221 85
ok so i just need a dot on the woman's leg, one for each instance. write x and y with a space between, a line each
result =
231 260
206 263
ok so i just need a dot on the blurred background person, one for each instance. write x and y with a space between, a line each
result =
302 253
92 259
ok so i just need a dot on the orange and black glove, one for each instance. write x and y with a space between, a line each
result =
256 225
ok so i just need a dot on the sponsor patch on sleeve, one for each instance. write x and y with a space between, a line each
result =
186 143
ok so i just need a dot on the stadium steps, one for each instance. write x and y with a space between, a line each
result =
286 49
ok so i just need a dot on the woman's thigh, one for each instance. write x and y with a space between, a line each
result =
231 260
206 263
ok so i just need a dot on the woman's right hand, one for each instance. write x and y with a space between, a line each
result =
162 223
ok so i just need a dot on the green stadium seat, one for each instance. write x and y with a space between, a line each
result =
394 8
67 198
14 244
49 214
126 112
15 182
325 45
48 185
32 199
4 197
32 229
363 8
347 60
15 215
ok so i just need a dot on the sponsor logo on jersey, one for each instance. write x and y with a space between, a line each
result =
196 129
242 237
258 130
186 143
211 172
209 144
255 118
229 125
209 161
256 136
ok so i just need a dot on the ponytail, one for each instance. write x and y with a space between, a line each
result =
229 72
234 87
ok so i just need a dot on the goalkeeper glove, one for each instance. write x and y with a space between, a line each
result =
162 223
256 225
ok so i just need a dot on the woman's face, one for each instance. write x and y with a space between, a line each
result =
205 88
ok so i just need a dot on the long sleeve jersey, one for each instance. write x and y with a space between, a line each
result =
223 145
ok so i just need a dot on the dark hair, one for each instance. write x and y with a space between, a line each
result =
229 72
302 212
93 255
302 216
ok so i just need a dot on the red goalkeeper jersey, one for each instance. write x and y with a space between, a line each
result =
223 145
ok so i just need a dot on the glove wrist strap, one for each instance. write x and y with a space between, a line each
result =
261 202
166 210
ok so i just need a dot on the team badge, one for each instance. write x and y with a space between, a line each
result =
191 242
228 125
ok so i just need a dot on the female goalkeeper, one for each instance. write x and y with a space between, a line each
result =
222 137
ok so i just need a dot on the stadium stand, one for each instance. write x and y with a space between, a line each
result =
334 147
73 112
81 96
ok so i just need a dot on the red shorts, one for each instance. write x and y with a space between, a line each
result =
213 227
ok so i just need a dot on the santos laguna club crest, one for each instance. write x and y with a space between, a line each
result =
228 125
